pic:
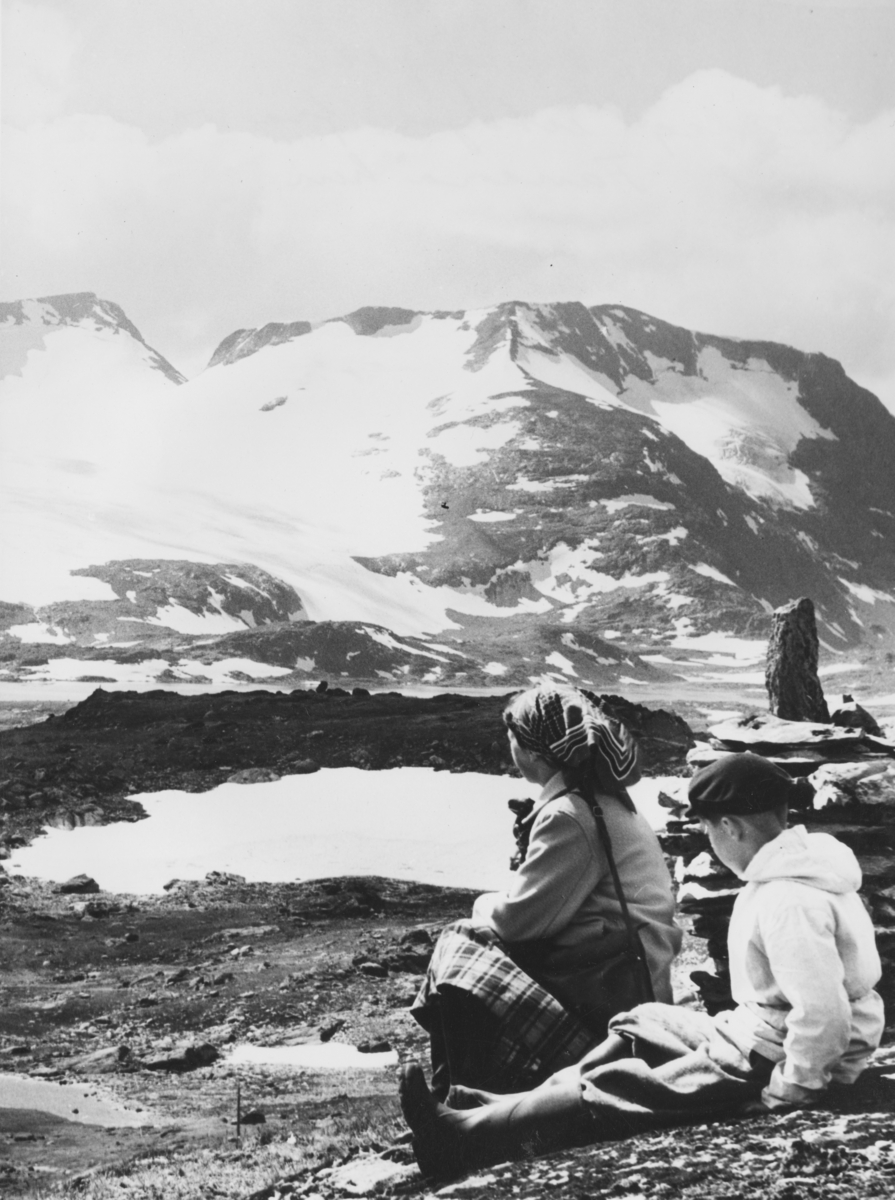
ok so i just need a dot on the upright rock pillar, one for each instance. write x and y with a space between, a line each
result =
794 691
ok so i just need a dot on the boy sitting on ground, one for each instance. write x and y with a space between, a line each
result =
803 966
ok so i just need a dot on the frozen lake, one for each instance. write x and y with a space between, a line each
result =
410 823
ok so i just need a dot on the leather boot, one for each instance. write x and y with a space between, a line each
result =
448 1143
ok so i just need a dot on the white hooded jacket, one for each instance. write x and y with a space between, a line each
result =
803 965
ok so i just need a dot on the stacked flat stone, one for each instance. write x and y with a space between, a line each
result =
853 773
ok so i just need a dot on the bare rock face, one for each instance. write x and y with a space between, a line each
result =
794 690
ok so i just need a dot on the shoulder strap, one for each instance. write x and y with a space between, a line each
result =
633 940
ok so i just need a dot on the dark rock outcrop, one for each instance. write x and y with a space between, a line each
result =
78 885
851 715
794 689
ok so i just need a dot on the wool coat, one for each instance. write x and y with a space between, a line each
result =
564 892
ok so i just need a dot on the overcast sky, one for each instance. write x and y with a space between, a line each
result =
728 165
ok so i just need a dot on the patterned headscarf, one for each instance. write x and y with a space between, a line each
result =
567 725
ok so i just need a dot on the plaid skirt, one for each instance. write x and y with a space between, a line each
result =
535 1035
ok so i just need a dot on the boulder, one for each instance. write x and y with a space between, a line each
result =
102 1062
411 962
794 689
95 908
328 1032
78 885
375 970
184 1058
253 775
851 715
377 1046
871 782
302 766
418 936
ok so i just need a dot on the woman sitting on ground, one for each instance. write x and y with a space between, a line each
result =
803 968
523 988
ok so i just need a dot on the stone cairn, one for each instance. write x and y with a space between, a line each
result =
851 766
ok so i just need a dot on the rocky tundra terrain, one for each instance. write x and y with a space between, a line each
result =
155 1005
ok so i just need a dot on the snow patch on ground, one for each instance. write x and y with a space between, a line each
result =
36 632
743 649
867 594
386 639
674 536
569 639
149 670
76 668
547 485
566 573
745 420
223 670
841 668
236 581
70 1102
559 660
493 516
672 599
711 573
565 372
638 499
175 616
314 1056
742 677
467 445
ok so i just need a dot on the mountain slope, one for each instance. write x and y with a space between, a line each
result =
593 470
26 324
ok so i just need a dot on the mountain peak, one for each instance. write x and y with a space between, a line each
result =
81 309
558 469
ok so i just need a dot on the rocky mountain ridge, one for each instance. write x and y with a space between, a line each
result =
482 477
81 310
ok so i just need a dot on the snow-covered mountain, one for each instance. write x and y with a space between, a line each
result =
536 486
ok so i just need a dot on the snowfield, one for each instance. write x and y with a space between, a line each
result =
344 461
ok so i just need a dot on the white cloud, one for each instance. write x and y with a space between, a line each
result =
36 71
726 206
812 4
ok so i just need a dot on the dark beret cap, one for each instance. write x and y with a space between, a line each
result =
740 784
